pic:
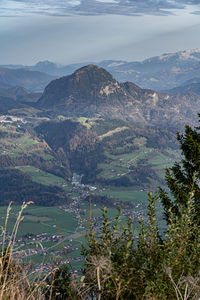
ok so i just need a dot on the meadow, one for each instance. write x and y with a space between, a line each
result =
42 177
120 165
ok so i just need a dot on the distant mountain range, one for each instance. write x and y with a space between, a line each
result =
160 73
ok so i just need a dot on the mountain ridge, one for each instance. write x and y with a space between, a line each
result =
159 72
33 81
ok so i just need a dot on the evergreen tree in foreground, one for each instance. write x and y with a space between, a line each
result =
179 178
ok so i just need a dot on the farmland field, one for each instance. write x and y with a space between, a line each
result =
42 177
120 165
51 228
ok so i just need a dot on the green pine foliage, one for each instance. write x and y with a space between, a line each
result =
117 266
109 260
58 284
179 178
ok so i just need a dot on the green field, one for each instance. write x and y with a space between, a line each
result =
161 161
55 220
42 177
19 144
120 165
126 194
44 220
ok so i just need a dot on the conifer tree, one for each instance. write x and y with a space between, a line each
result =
179 178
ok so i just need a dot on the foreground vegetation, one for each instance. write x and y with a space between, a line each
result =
116 264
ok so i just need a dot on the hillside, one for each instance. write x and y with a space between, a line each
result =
18 186
16 98
7 101
108 153
189 87
33 172
73 144
32 80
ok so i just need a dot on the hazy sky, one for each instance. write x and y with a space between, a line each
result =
72 31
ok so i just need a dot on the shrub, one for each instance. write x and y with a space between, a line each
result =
117 266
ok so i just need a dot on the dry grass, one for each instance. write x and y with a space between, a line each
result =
15 281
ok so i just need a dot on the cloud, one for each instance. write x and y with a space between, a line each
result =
197 12
33 38
92 7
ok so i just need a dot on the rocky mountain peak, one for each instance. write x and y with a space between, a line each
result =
93 74
86 87
92 92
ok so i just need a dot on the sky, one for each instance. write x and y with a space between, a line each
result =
72 31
